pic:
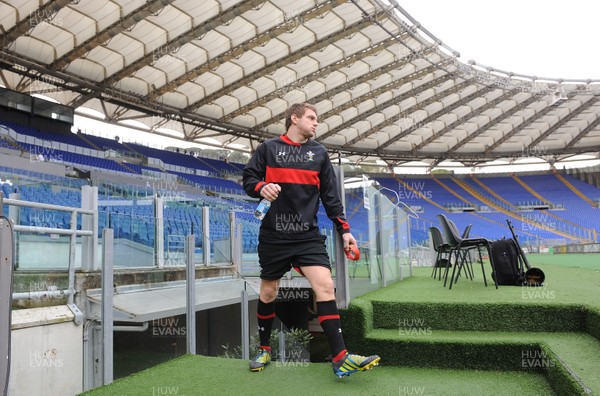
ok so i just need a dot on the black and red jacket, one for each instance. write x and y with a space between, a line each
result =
305 174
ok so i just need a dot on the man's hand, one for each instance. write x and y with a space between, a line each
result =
348 240
270 192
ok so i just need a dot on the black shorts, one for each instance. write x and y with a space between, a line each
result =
278 256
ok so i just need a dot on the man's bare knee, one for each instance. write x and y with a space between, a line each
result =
268 291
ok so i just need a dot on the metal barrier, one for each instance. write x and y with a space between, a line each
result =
6 285
72 232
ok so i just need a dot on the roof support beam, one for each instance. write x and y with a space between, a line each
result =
462 120
385 88
584 106
394 101
300 82
434 116
485 127
195 33
235 52
518 129
584 132
109 32
45 13
291 58
349 85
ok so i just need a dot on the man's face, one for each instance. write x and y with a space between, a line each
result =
307 124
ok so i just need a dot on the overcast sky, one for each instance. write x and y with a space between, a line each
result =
540 38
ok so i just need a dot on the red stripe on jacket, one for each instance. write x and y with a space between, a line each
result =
344 223
259 185
290 175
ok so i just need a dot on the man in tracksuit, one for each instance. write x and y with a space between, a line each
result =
293 172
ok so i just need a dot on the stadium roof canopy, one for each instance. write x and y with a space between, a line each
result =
205 70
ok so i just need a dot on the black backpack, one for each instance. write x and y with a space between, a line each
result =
508 267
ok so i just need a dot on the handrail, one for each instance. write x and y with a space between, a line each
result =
73 232
39 205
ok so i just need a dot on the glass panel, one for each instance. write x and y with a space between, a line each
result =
250 227
364 274
389 253
220 237
133 236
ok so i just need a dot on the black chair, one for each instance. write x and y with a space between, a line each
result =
462 254
465 252
458 245
442 249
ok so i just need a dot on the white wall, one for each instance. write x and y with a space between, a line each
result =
46 357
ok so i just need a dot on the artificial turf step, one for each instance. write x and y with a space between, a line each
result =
568 359
478 316
554 329
576 353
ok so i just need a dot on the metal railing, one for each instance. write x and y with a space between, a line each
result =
72 232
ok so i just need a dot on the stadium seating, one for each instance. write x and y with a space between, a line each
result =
428 196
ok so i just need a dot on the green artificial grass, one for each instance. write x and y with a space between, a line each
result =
470 340
478 317
563 285
419 323
201 375
576 260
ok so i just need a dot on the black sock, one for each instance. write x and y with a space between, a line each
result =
265 314
329 318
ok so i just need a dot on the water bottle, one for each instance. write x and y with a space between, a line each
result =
262 209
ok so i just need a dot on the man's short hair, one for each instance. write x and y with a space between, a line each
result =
298 110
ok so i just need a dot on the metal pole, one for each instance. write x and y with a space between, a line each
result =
159 233
6 287
89 245
206 235
379 236
238 253
245 325
107 305
232 239
190 295
342 291
409 242
398 255
14 212
72 250
282 346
